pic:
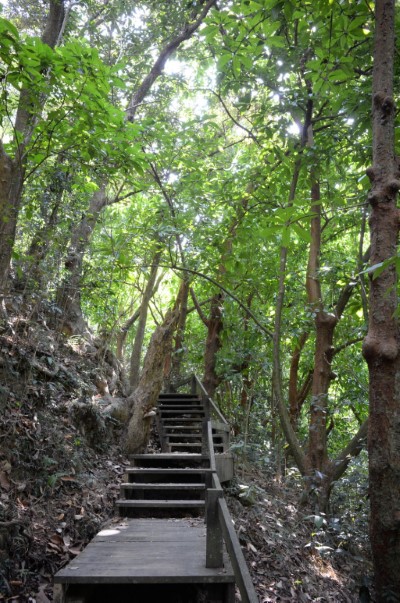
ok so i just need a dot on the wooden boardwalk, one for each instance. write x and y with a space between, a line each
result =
134 551
161 548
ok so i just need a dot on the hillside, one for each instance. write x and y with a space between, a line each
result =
61 462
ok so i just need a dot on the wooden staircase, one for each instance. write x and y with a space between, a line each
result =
168 543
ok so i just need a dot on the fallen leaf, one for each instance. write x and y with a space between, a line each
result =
56 539
4 481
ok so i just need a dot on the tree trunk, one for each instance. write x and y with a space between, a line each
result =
381 346
177 353
12 169
140 331
213 344
68 295
144 398
296 397
121 337
325 324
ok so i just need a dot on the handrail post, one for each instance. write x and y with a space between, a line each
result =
214 538
193 384
204 440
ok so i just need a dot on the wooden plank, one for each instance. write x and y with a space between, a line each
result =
173 552
163 486
214 541
178 504
167 456
168 470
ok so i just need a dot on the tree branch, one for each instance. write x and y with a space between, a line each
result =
159 65
198 308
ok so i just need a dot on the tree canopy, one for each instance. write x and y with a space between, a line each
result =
221 146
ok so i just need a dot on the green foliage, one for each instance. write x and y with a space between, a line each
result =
206 171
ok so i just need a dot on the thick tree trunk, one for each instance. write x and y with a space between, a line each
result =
144 398
381 346
140 331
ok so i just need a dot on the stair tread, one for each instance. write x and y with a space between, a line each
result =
180 407
185 419
159 503
187 427
183 435
168 455
163 486
190 444
169 470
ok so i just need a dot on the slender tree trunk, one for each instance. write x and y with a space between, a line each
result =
12 169
121 337
296 395
215 321
141 328
325 324
213 344
179 343
68 295
381 346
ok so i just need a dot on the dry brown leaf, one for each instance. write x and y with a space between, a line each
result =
4 481
56 539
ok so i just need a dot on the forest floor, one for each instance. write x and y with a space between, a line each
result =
61 465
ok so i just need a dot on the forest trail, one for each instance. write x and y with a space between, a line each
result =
168 541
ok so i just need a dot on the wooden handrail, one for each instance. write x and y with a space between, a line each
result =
242 575
219 528
200 389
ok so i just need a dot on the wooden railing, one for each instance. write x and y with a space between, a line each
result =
219 524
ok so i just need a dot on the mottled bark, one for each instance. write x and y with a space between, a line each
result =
325 324
144 398
381 346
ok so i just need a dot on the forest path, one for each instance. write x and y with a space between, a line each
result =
167 542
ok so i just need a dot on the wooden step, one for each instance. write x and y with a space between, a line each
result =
186 504
159 508
168 459
184 446
177 396
184 435
163 486
146 475
184 427
184 411
174 420
167 491
180 408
